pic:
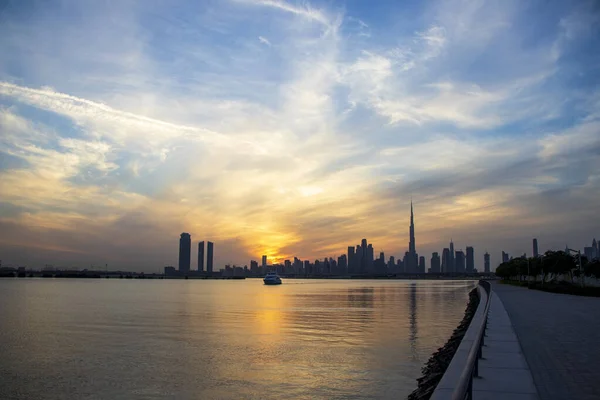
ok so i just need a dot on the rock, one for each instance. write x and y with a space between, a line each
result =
438 362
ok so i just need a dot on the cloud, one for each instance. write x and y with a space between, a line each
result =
264 40
122 130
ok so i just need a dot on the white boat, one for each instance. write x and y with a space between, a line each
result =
272 279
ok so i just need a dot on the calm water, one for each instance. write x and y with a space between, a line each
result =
305 339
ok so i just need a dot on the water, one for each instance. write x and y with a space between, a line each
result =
150 339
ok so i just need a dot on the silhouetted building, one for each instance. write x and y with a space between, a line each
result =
411 261
588 252
421 265
486 262
254 267
170 271
201 256
370 256
351 260
400 266
209 257
505 257
359 255
470 260
435 267
342 264
264 261
185 252
535 248
452 266
391 265
446 261
596 249
459 261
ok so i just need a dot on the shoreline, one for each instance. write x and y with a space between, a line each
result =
437 364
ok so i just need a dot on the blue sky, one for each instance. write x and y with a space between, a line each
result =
295 128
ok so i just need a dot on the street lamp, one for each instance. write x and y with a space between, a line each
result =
580 265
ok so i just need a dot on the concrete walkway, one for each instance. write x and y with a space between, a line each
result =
560 339
503 371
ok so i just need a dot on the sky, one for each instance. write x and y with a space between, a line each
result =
295 128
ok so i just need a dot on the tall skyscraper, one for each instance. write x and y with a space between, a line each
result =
359 256
596 249
535 248
505 257
351 260
452 257
185 252
446 267
370 256
435 267
364 256
459 261
209 257
470 260
486 262
421 265
411 261
201 256
264 261
342 264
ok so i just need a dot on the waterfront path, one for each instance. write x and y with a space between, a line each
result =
559 336
503 370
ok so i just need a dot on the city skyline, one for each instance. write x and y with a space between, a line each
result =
294 128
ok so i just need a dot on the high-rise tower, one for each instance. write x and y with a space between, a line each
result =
412 259
486 262
411 243
185 250
535 249
209 257
201 256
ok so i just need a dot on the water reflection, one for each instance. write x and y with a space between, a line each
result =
412 312
224 339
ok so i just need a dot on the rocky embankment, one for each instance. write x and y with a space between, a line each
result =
439 361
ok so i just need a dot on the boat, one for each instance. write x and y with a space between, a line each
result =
272 279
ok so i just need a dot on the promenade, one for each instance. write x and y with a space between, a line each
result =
559 336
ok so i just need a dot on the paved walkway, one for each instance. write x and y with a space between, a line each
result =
503 371
560 338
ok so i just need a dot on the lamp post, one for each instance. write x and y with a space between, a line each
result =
580 266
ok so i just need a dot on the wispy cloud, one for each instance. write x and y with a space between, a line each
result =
129 125
264 40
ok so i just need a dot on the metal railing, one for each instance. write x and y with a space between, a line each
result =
464 388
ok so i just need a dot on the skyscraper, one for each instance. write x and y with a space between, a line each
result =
209 257
201 256
370 256
351 260
505 257
363 259
359 258
596 249
459 262
486 262
264 261
411 262
185 252
421 265
435 267
535 248
452 260
470 260
446 267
